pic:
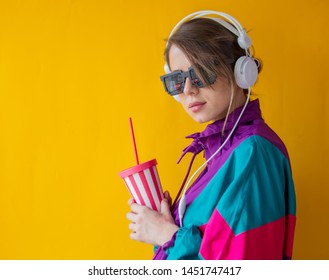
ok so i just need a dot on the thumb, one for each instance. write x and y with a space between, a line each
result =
168 197
165 207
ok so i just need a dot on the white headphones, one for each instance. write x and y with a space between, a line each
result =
245 68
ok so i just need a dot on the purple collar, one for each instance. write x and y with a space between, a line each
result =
251 113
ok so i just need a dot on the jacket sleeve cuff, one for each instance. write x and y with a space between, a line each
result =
185 244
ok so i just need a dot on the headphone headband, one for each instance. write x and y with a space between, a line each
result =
236 29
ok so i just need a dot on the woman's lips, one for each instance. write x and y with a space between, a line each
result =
196 106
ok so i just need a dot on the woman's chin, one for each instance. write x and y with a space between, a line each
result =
200 119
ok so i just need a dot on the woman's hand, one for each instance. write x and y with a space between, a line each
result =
150 226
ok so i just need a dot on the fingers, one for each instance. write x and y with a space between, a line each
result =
132 227
131 217
134 236
168 197
165 207
135 208
131 201
137 212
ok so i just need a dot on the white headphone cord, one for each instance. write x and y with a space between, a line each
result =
182 202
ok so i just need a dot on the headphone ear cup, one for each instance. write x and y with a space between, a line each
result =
245 72
166 68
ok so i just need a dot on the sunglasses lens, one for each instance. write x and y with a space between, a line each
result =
174 83
195 79
212 79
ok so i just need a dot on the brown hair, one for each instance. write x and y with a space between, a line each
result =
210 47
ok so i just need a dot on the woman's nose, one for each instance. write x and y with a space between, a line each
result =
189 88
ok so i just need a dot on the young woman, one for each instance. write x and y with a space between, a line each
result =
242 204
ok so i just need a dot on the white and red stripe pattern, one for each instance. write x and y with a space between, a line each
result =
144 184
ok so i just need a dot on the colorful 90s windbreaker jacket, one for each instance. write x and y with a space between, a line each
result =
242 205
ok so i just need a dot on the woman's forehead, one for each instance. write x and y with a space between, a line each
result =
177 59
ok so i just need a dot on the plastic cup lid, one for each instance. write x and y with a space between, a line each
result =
137 168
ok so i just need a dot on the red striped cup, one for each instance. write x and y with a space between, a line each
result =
144 184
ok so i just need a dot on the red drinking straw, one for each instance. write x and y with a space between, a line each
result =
133 138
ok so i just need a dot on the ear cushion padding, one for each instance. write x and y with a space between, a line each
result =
245 72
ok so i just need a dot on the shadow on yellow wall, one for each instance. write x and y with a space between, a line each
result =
72 72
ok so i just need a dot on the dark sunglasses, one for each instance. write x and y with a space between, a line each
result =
174 82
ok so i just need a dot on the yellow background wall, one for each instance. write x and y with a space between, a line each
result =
72 72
